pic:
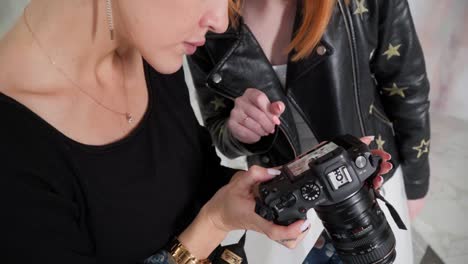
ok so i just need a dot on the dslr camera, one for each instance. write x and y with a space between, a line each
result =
335 179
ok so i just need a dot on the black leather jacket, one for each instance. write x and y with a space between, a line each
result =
366 77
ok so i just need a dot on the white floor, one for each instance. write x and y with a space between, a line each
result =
444 221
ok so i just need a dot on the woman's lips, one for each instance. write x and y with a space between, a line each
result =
191 47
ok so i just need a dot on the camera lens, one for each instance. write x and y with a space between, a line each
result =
359 230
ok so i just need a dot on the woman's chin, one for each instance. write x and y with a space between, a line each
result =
167 66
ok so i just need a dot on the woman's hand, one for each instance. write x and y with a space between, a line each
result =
415 207
233 207
253 116
385 166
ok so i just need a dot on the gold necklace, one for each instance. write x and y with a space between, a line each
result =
128 117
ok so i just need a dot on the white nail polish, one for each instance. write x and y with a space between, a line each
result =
274 172
305 225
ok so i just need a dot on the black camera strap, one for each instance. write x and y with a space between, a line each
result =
396 217
231 254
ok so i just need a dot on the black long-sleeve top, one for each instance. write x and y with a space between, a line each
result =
65 202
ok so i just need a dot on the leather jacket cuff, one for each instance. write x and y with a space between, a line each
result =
260 147
416 180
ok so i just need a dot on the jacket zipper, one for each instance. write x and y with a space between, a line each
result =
376 112
280 126
352 44
301 113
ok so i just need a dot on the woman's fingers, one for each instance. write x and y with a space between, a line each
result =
258 115
378 182
277 109
368 139
385 166
255 126
257 174
384 155
242 133
238 208
288 236
254 112
261 101
292 243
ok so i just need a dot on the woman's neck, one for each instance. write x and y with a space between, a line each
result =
73 34
272 23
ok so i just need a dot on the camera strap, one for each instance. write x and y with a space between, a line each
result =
396 217
230 254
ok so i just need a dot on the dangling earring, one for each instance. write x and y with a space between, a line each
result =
110 18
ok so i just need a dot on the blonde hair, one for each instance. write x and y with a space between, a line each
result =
316 16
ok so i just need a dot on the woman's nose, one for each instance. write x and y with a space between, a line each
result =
216 19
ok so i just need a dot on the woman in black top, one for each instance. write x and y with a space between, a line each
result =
102 159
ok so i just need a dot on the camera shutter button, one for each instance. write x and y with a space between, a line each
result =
360 162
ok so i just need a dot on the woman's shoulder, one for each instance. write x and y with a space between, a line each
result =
23 134
30 153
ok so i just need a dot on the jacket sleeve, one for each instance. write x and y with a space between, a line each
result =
216 109
401 77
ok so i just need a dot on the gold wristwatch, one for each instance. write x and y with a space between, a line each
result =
182 256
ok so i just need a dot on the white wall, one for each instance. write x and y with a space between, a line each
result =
9 12
442 29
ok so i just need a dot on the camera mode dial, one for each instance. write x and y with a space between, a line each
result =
310 191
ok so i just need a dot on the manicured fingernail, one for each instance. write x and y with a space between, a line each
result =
274 172
278 108
276 120
305 226
380 179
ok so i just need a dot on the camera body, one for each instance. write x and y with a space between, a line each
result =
326 175
332 179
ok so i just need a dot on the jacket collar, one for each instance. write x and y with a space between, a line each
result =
297 69
227 41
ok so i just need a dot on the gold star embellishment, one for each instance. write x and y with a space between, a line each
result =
392 51
221 131
395 90
380 142
361 8
422 148
218 103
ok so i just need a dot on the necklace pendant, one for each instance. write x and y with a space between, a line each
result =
129 118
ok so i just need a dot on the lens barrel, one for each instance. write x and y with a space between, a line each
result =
359 230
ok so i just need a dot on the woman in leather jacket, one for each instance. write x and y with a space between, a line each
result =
289 74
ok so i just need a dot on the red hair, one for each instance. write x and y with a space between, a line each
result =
316 16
